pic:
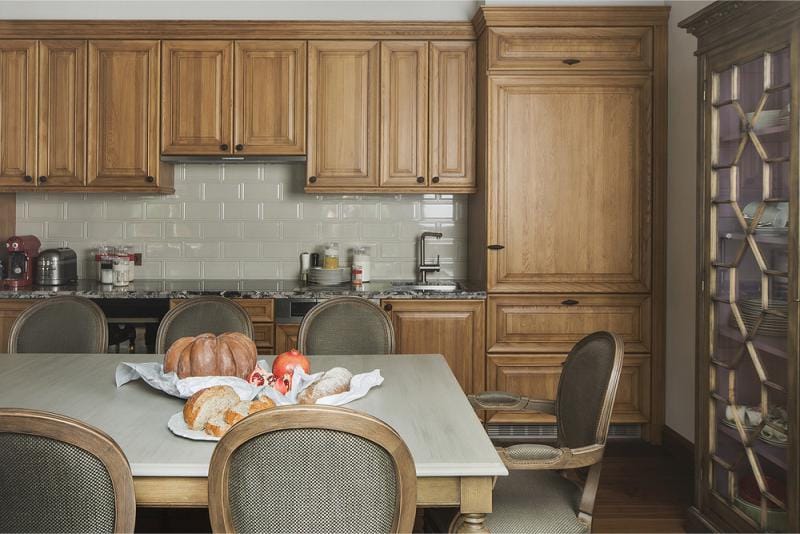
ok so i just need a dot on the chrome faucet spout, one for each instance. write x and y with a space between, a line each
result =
425 267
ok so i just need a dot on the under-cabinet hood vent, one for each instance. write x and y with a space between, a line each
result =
277 160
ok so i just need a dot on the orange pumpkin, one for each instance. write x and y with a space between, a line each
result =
229 354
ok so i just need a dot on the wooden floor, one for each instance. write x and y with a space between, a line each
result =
642 489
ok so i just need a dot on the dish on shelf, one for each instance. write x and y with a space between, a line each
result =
775 215
328 277
748 501
768 118
771 325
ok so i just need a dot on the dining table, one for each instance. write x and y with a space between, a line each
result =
456 463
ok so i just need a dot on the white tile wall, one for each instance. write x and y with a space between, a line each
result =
248 221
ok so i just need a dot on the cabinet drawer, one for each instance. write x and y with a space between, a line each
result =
628 48
259 310
537 376
554 323
264 335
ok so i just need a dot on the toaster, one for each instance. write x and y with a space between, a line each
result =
56 266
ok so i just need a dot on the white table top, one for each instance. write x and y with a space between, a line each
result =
420 398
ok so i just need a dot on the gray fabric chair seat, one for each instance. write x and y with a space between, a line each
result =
535 502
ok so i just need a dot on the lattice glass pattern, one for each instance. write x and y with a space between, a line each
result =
749 279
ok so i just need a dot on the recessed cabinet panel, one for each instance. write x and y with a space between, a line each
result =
343 85
452 114
197 97
404 113
286 337
17 113
123 113
62 113
270 97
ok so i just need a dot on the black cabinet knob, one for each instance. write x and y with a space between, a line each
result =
312 179
223 147
387 307
42 179
150 179
420 179
27 178
569 302
435 179
496 247
239 147
571 61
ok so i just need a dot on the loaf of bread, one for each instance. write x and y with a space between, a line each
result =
238 412
333 381
207 404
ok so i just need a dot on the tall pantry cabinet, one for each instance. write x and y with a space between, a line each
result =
567 227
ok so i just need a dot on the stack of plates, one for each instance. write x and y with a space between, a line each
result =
328 277
771 325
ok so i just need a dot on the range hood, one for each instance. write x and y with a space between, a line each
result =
234 159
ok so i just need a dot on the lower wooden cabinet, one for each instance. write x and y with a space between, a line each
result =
9 311
286 337
453 328
537 375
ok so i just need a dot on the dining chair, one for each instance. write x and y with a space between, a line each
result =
199 315
61 475
346 325
311 469
537 496
60 325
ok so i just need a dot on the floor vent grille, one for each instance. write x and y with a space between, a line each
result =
548 431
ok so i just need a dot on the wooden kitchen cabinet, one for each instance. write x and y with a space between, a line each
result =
404 113
452 114
453 328
286 337
17 113
10 309
62 114
197 97
270 97
343 104
123 115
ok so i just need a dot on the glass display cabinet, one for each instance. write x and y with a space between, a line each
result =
747 354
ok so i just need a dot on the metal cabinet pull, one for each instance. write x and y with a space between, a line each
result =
239 147
420 179
312 179
435 179
27 178
571 61
569 302
387 307
150 179
496 247
42 179
223 147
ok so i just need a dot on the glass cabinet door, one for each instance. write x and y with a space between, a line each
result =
749 249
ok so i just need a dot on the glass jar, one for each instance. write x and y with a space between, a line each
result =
120 270
331 258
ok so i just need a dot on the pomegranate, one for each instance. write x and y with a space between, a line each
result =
283 369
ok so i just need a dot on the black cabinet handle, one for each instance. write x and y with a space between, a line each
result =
496 247
569 302
223 147
435 179
150 179
387 307
571 61
312 179
27 178
420 179
239 147
42 179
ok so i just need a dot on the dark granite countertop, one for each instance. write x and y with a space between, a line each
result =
178 289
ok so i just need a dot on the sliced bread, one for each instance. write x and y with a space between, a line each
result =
208 403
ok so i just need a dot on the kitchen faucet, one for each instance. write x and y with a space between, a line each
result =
424 266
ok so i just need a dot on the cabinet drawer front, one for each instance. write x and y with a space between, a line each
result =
628 48
554 323
264 335
259 310
537 376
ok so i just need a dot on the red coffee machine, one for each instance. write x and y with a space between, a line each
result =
22 251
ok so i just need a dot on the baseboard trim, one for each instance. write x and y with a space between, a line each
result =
678 446
697 522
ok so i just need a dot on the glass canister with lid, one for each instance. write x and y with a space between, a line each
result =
330 259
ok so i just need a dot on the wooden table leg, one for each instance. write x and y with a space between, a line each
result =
476 502
469 523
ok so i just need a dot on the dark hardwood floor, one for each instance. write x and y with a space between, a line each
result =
642 489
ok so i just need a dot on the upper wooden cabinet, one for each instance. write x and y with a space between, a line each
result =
570 185
270 97
197 97
62 114
452 114
17 113
123 114
404 113
343 114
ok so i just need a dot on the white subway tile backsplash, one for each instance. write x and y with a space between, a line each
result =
248 221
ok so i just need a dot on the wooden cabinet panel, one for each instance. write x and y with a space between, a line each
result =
578 48
554 323
270 102
452 328
343 113
452 114
62 113
264 336
197 97
570 170
537 376
9 311
404 113
286 337
123 114
259 310
17 113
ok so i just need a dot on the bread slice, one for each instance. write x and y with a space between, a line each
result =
238 412
216 426
208 403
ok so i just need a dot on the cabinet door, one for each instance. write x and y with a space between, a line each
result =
343 114
270 102
197 97
17 113
404 113
123 114
9 311
570 176
452 114
62 113
537 376
286 337
453 328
